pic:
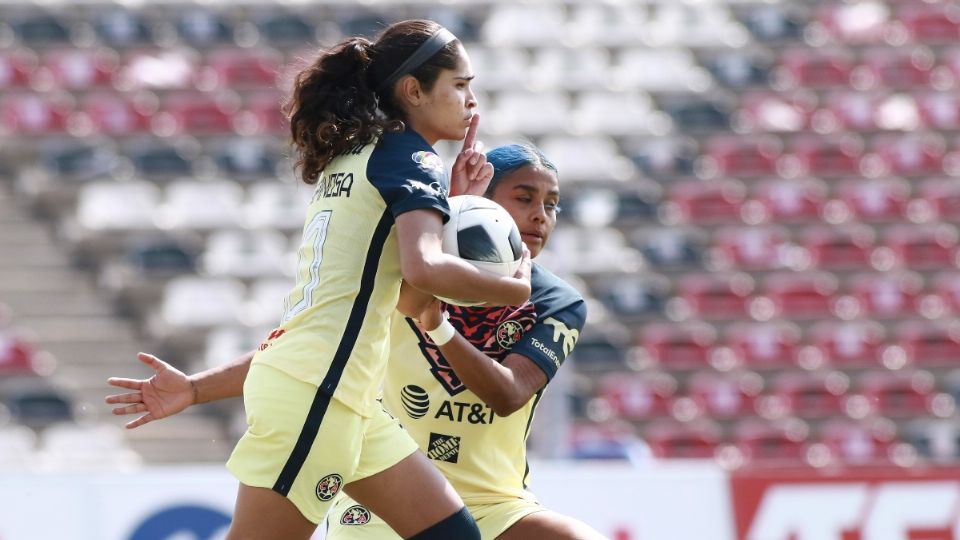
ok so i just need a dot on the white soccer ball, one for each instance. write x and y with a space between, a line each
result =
483 233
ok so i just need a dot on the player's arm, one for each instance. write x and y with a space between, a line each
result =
426 267
170 391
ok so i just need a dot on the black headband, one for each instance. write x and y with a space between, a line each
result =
440 39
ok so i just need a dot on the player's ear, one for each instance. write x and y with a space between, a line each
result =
409 90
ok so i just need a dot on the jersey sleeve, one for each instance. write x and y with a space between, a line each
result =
553 338
411 180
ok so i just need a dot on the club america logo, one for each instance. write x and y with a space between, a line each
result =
329 486
428 161
355 515
508 333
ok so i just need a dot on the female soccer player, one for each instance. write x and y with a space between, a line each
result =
364 117
467 401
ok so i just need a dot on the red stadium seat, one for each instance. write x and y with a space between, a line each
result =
638 397
706 202
859 23
114 114
812 395
811 68
923 247
946 285
197 114
849 344
740 157
849 110
765 345
807 295
895 68
35 114
754 248
824 156
764 441
909 155
764 112
725 396
899 394
16 68
679 346
243 68
794 200
19 357
877 199
715 296
265 115
886 295
836 248
939 110
929 23
80 68
858 443
944 197
927 343
673 440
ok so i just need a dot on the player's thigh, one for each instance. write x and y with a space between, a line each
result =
410 496
264 514
549 525
349 520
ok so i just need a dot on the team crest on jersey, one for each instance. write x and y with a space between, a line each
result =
355 515
428 161
329 486
508 333
481 328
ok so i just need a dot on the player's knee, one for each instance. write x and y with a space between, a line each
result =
459 526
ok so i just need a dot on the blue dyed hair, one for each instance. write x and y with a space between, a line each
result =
510 157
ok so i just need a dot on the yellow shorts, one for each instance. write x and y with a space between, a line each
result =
306 446
351 521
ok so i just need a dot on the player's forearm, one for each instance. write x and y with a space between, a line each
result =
451 277
493 383
221 382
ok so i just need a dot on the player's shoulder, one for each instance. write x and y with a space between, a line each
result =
407 155
549 292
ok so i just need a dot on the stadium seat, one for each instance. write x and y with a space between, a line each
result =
766 112
899 394
161 256
594 158
705 202
859 443
679 346
502 68
698 114
41 29
809 295
38 405
943 196
523 25
740 68
35 114
116 115
195 302
233 68
536 113
856 24
78 160
226 343
740 157
17 67
725 396
21 357
579 68
121 28
707 25
928 343
856 111
277 205
247 254
608 25
774 23
199 27
160 69
753 248
658 70
125 206
811 395
638 397
909 155
671 247
279 28
78 69
70 447
824 156
939 110
161 159
899 68
615 113
264 109
716 296
880 199
598 250
886 295
929 23
765 345
946 286
203 205
815 68
936 440
246 158
783 441
599 351
266 301
197 114
923 247
839 248
663 157
792 201
632 296
672 440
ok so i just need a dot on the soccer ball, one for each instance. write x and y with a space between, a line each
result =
483 233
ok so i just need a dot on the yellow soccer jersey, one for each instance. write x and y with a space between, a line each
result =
483 455
336 320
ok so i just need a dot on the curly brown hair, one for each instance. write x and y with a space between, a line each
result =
337 103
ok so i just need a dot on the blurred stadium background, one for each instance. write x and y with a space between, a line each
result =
760 202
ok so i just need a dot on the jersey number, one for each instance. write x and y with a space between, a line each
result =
308 277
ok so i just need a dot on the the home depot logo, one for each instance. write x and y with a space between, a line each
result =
849 508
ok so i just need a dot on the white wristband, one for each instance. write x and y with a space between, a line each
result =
442 334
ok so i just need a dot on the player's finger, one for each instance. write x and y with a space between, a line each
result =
130 409
471 132
133 384
140 421
152 361
133 397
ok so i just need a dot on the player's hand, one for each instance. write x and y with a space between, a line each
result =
431 317
525 271
471 173
166 393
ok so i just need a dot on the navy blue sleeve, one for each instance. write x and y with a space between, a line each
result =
553 337
409 176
